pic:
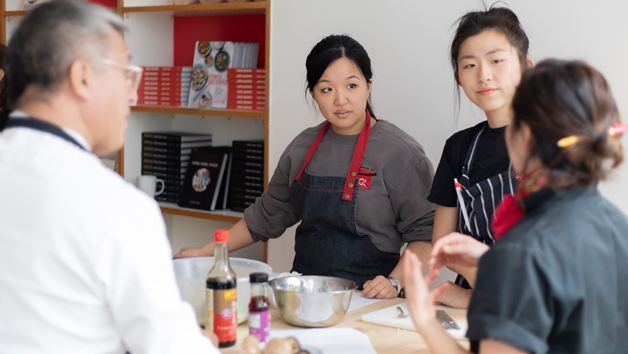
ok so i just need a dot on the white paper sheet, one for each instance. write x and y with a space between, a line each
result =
358 301
329 340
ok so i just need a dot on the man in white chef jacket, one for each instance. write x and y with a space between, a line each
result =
85 264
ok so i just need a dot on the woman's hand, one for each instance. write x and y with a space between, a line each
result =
454 296
420 299
380 288
456 250
186 252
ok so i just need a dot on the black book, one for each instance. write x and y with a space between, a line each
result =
248 164
160 162
250 144
238 172
161 168
165 150
166 199
223 196
248 151
243 197
240 205
173 184
246 184
248 157
164 156
164 175
171 194
247 192
247 178
203 180
174 145
176 136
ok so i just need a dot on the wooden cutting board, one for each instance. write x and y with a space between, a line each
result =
390 317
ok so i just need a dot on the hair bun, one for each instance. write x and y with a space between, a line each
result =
558 98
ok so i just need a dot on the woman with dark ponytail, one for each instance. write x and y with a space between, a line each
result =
556 280
357 184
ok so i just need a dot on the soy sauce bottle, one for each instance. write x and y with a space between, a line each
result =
259 307
222 294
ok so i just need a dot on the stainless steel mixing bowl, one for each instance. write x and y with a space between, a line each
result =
312 301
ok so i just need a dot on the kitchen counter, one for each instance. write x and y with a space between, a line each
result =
385 340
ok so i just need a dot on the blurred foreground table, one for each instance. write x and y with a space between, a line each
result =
385 340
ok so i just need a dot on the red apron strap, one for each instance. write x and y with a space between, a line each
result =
356 161
313 148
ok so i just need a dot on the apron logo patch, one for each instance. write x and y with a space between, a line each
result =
364 182
364 178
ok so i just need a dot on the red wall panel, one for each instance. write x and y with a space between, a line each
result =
241 28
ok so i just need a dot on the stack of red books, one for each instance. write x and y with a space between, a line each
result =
164 86
247 89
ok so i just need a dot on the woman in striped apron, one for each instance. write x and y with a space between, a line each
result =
481 199
488 54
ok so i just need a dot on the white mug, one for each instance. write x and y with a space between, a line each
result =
148 184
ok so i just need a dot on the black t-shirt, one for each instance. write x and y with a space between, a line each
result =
491 158
556 282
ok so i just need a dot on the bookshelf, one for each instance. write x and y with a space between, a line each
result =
159 33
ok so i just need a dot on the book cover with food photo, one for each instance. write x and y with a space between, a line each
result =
209 81
209 88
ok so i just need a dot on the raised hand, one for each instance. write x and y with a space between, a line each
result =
456 250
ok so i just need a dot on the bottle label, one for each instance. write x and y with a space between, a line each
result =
209 310
221 311
259 325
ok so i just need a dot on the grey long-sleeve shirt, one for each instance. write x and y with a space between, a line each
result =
393 211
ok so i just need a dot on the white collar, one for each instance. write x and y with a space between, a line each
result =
71 132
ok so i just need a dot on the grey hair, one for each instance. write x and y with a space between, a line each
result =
50 38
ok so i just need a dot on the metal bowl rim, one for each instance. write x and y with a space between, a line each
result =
274 281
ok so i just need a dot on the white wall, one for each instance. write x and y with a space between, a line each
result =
408 42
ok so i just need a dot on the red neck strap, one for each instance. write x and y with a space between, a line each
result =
358 155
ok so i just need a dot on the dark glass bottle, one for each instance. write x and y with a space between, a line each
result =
222 294
259 307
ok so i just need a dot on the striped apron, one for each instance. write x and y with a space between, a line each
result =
481 200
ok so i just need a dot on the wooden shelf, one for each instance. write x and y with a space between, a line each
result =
23 12
201 112
15 13
243 8
219 215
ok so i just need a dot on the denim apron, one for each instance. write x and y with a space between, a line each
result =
36 124
327 241
481 200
